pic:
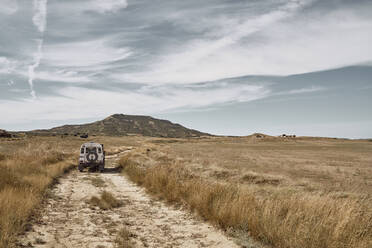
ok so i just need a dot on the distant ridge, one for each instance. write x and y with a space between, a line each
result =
123 125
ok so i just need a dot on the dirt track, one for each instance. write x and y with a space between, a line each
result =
69 221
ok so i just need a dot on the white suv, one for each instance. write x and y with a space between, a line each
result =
92 155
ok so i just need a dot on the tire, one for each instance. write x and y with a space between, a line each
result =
81 168
101 168
94 158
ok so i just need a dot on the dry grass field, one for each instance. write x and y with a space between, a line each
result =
284 192
28 167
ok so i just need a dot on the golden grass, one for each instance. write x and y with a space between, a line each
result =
329 165
123 239
280 210
303 192
105 201
28 166
116 150
24 176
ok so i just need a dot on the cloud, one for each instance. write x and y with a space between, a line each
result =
31 69
284 41
87 54
62 76
107 6
173 97
199 59
89 102
8 7
40 13
6 65
302 90
85 103
39 19
87 8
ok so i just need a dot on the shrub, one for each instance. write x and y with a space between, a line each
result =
105 201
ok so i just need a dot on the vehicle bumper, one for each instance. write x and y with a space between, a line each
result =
90 165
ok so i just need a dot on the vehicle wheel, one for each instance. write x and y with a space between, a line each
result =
101 168
81 168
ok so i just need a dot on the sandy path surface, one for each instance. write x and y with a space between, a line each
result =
69 221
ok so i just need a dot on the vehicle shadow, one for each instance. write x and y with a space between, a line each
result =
113 170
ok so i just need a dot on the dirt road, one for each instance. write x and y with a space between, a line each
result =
70 221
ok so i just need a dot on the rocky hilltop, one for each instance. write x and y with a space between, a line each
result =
123 125
4 134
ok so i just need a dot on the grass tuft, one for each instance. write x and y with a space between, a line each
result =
105 201
2 157
123 239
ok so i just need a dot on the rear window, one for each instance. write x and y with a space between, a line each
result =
99 150
82 150
92 149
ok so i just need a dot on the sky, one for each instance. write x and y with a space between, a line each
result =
227 67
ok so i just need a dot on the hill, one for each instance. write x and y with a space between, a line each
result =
123 125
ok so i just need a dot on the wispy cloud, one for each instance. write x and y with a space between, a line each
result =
286 40
102 7
200 59
39 19
301 90
31 69
8 7
40 14
6 65
106 6
62 76
87 54
146 100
